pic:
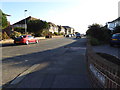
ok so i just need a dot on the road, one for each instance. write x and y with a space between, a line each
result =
57 57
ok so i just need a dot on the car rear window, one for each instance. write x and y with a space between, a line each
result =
78 34
116 35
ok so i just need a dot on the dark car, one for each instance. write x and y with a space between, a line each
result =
78 35
25 39
68 35
115 40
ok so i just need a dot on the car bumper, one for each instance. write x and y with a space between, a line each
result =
115 42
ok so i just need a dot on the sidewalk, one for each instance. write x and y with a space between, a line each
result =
115 51
66 68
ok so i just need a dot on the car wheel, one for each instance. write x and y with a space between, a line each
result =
36 41
27 42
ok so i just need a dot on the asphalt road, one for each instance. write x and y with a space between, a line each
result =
64 56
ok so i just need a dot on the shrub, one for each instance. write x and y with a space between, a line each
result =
15 34
37 35
45 32
62 33
0 35
99 32
55 33
94 41
19 29
5 36
116 30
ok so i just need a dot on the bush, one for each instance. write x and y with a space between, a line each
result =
99 32
19 29
116 30
37 35
55 33
94 41
5 36
45 33
62 33
15 34
0 35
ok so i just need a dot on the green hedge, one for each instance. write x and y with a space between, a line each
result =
94 41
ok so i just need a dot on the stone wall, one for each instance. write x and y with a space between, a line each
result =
103 73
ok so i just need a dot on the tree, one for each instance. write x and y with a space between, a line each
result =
37 26
95 31
99 32
3 20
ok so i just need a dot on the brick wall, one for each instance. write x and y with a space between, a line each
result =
102 72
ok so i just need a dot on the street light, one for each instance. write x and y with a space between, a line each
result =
25 22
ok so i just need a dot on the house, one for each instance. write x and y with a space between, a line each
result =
61 30
21 23
52 27
111 25
69 30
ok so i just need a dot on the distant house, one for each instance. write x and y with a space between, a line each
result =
111 25
61 30
52 27
69 30
21 23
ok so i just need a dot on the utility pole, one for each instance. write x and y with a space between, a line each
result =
25 22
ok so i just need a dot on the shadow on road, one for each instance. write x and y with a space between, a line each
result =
51 61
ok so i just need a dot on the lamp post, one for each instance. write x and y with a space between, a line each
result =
25 22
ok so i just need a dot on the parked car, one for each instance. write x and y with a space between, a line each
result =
48 36
68 35
115 40
78 35
25 39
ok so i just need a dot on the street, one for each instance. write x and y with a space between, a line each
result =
58 63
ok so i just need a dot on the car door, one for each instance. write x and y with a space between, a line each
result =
31 39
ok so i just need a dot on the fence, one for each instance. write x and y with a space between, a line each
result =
103 73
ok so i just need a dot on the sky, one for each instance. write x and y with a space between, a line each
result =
78 14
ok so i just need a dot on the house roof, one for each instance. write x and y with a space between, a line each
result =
66 26
52 24
118 19
23 21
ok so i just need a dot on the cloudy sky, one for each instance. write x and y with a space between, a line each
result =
74 13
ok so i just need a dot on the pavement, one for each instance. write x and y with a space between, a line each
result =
106 48
66 68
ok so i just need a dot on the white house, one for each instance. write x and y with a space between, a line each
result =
111 25
52 27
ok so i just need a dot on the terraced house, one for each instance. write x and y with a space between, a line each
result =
52 27
69 30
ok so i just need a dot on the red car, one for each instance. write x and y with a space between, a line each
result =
25 39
